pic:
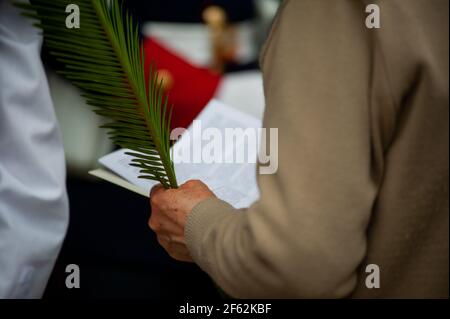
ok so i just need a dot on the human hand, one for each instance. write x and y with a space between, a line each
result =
170 208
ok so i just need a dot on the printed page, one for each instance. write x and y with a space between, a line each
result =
233 182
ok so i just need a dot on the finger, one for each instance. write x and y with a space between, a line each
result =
182 258
163 225
156 189
174 245
175 250
156 192
164 241
173 238
190 183
180 254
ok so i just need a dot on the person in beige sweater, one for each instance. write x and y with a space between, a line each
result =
363 120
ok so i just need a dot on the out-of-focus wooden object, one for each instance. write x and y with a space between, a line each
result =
223 37
167 79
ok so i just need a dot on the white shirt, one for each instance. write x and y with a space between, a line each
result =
33 200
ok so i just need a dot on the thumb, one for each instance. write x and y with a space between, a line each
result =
156 189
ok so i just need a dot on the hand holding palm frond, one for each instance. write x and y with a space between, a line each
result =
104 58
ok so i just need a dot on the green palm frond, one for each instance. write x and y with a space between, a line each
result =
105 59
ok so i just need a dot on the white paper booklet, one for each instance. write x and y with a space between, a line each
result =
235 183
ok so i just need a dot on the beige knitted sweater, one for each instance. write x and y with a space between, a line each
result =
363 159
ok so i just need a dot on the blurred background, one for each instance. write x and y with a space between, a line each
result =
203 49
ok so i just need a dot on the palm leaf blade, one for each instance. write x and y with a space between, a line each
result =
104 58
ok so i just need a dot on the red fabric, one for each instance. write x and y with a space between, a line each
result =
192 88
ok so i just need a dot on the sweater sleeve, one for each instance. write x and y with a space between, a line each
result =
306 236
